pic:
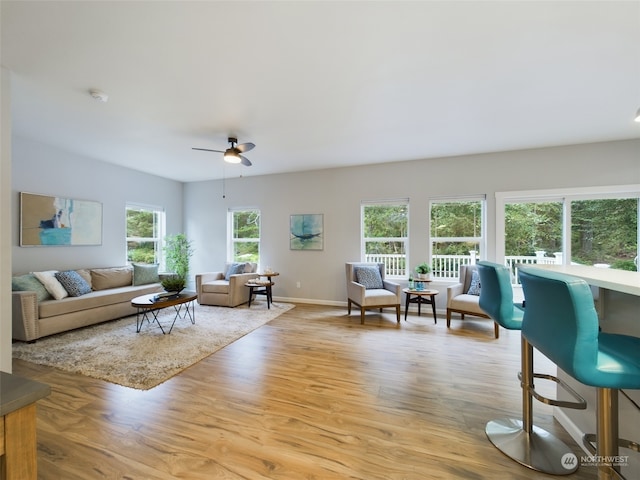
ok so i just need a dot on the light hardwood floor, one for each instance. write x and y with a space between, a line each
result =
311 395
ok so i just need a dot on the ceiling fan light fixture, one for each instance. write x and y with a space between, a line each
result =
233 154
232 157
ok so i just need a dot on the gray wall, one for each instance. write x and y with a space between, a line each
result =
5 216
337 193
43 169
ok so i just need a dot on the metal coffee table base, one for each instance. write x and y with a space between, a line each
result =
143 314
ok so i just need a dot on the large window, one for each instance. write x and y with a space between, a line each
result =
533 229
384 235
605 232
145 231
244 236
457 234
597 226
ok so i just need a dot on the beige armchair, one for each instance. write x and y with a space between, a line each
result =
367 290
459 301
213 288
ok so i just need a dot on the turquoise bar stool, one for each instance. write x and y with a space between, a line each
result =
520 439
561 321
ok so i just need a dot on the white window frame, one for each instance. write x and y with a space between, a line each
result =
405 240
481 240
159 240
567 195
231 240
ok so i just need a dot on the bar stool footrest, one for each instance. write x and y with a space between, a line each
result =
579 404
589 441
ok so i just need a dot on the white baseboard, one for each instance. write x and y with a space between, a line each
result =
335 303
310 301
571 428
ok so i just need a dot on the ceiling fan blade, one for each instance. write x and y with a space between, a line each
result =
245 147
207 150
245 161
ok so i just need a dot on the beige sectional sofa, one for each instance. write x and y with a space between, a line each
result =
36 314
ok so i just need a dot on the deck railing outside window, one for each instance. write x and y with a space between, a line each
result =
394 264
446 267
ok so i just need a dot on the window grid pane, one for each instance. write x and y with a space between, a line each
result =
604 232
144 235
245 236
456 229
384 230
456 219
246 224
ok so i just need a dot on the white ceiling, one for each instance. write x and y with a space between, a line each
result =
319 84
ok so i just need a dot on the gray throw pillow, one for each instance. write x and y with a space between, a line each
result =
234 269
474 287
144 274
369 277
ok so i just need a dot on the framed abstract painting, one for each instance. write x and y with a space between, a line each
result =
57 221
306 232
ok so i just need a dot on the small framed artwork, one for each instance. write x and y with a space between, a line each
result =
306 232
57 221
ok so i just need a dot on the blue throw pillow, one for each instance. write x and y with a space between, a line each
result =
474 288
369 277
73 283
234 269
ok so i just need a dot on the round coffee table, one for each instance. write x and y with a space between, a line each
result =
420 297
152 304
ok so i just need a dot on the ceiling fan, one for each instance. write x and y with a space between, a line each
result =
233 153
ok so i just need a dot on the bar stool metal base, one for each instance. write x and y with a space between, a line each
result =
539 450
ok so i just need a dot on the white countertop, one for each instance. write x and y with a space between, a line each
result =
612 279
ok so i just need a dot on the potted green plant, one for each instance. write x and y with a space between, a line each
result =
178 250
423 270
173 283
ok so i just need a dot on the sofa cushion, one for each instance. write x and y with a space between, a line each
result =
73 283
369 277
86 274
466 302
379 296
144 274
95 299
103 278
215 286
51 283
29 283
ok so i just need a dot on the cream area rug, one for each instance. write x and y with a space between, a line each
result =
114 352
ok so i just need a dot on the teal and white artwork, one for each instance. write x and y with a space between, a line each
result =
307 232
58 221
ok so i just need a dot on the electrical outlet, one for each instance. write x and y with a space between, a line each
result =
297 284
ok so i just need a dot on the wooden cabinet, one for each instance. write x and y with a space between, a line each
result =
18 446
